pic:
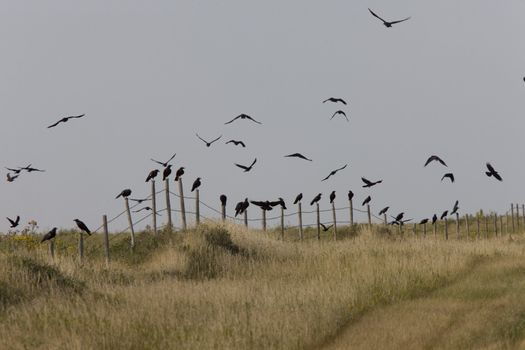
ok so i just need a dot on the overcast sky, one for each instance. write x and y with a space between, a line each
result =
149 75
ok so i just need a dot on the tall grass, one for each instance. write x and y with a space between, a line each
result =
221 287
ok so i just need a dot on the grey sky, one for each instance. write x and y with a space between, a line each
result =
149 75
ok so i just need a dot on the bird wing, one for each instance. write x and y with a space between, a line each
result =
76 116
497 176
401 20
253 119
217 139
158 162
17 219
326 178
323 226
253 163
173 156
491 169
234 119
376 16
11 221
241 166
53 125
366 181
341 168
200 138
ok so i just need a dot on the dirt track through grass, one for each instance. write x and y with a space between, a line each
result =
483 309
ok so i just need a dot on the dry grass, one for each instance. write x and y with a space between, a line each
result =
225 287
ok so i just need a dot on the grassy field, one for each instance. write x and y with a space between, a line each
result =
224 287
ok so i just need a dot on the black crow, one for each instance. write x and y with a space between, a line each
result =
298 198
434 219
223 199
492 172
50 235
164 164
332 197
243 116
455 208
236 143
11 178
333 172
139 200
152 174
246 168
125 193
14 223
366 201
335 100
340 112
196 184
325 228
179 173
316 199
350 195
280 202
298 155
443 215
82 226
383 211
369 183
434 158
65 119
208 144
241 206
166 172
448 175
423 222
388 24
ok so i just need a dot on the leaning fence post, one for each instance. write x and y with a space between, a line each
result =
106 238
467 225
369 217
318 222
130 222
81 247
300 214
197 208
182 207
168 203
335 221
282 222
154 205
512 216
457 225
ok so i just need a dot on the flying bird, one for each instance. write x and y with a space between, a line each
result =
316 199
223 199
298 198
124 194
164 164
139 200
298 155
236 143
388 24
383 211
333 172
399 217
455 209
492 172
434 158
449 176
82 226
366 201
325 228
335 100
11 178
208 144
30 169
443 215
141 209
14 223
241 207
196 184
65 119
179 173
243 116
16 171
332 197
246 168
264 205
369 183
166 172
340 112
152 175
50 235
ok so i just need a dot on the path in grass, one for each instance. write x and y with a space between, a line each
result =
483 310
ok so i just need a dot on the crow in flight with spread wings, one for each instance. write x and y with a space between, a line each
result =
386 23
65 119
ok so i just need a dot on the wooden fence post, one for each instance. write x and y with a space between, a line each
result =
300 213
168 203
425 229
523 214
81 247
486 226
415 229
263 219
369 217
106 238
446 228
223 207
351 204
130 222
197 208
335 221
282 223
467 225
51 246
457 225
182 207
434 228
478 233
246 217
512 217
495 224
385 220
318 222
154 205
517 218
501 225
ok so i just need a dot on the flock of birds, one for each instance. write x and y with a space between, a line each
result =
266 205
